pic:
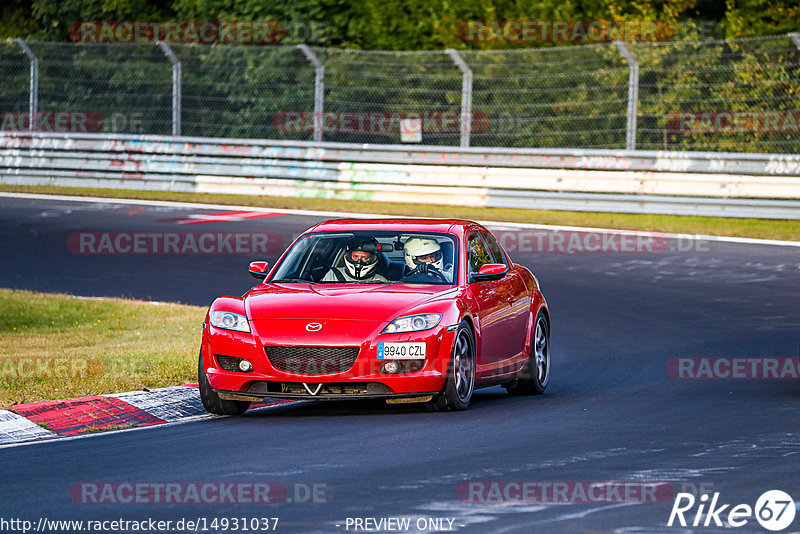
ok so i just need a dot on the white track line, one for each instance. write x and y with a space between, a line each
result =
341 214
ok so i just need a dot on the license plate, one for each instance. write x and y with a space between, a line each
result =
401 351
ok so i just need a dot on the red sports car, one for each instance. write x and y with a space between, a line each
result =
409 310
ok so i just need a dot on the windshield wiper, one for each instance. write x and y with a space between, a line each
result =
292 280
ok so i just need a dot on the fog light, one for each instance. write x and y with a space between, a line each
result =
391 367
231 363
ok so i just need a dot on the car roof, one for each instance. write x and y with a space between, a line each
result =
404 225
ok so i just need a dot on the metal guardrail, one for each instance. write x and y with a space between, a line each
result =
716 184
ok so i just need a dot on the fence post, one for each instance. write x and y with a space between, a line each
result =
795 37
33 99
319 89
633 94
176 87
466 95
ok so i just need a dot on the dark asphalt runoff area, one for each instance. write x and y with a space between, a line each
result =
613 412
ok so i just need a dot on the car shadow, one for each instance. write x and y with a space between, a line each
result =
484 399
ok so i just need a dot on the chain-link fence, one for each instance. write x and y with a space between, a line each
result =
738 95
553 97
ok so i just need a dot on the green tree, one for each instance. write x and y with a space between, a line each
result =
56 16
16 20
747 18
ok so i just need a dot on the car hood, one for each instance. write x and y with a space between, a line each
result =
320 302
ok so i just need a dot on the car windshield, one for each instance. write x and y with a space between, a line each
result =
370 258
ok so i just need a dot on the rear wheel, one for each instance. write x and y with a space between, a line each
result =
211 401
533 379
460 383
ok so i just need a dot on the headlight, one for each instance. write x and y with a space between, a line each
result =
413 323
230 321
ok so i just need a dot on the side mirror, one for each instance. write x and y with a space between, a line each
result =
258 269
490 271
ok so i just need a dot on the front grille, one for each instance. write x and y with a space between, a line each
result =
328 388
312 360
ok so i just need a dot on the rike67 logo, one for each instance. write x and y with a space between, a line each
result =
774 510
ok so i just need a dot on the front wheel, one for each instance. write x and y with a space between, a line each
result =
211 400
460 383
533 379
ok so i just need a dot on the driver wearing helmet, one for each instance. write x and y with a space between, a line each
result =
360 261
423 256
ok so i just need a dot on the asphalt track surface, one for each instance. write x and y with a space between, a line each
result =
611 412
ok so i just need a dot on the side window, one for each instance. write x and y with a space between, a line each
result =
478 254
494 249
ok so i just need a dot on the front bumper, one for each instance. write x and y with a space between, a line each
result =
363 380
330 392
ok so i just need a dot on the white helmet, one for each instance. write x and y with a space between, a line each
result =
417 247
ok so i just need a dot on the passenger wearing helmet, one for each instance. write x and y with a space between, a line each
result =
360 261
423 256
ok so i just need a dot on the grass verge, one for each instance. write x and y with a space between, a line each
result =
757 228
58 346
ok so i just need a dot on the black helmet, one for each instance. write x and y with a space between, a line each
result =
362 266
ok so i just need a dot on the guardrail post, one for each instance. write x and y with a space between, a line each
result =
176 87
795 37
33 99
633 94
466 95
319 89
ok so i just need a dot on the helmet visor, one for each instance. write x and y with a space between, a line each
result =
433 257
361 256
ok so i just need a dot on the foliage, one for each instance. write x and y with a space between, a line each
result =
397 24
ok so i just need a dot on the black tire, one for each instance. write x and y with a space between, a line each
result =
211 401
535 376
460 383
